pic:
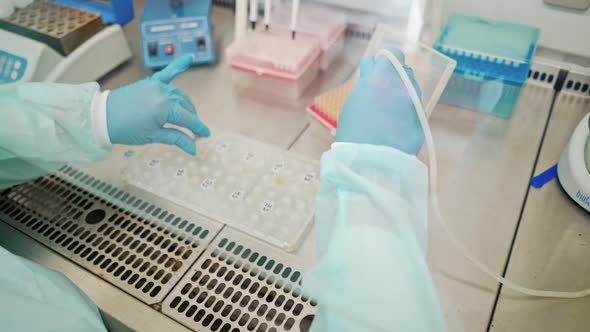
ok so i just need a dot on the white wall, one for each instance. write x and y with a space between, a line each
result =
561 29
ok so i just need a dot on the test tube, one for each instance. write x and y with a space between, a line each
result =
294 13
253 13
241 18
267 7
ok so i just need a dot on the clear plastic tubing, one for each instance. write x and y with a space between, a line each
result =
433 173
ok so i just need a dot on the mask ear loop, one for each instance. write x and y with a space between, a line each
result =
433 174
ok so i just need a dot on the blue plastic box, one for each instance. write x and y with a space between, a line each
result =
113 11
493 61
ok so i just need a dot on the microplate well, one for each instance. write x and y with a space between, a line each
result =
255 187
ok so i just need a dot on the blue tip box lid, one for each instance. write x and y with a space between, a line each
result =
490 49
112 12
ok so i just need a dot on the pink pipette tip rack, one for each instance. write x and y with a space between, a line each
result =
273 63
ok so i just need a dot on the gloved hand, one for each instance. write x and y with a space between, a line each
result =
136 113
379 110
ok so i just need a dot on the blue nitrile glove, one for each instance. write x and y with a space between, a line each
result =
136 113
379 110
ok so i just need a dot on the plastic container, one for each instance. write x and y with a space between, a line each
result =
114 11
432 71
493 61
323 24
258 188
272 63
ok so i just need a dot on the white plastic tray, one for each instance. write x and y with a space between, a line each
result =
258 188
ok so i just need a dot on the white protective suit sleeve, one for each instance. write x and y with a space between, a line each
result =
42 127
35 298
371 219
45 125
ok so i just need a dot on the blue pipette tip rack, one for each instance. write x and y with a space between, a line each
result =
487 50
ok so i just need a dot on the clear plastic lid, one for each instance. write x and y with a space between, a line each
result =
432 71
273 53
313 21
489 37
431 68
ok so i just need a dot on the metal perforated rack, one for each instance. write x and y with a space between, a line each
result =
234 286
573 82
577 82
542 74
140 257
164 259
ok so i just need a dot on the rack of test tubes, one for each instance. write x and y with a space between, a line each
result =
325 25
327 106
272 61
255 187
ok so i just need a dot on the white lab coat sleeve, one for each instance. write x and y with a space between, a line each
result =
371 220
35 298
45 125
99 118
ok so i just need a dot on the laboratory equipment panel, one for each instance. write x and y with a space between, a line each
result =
12 67
170 29
26 59
47 41
573 167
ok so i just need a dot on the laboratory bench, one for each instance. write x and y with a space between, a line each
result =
552 244
537 237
